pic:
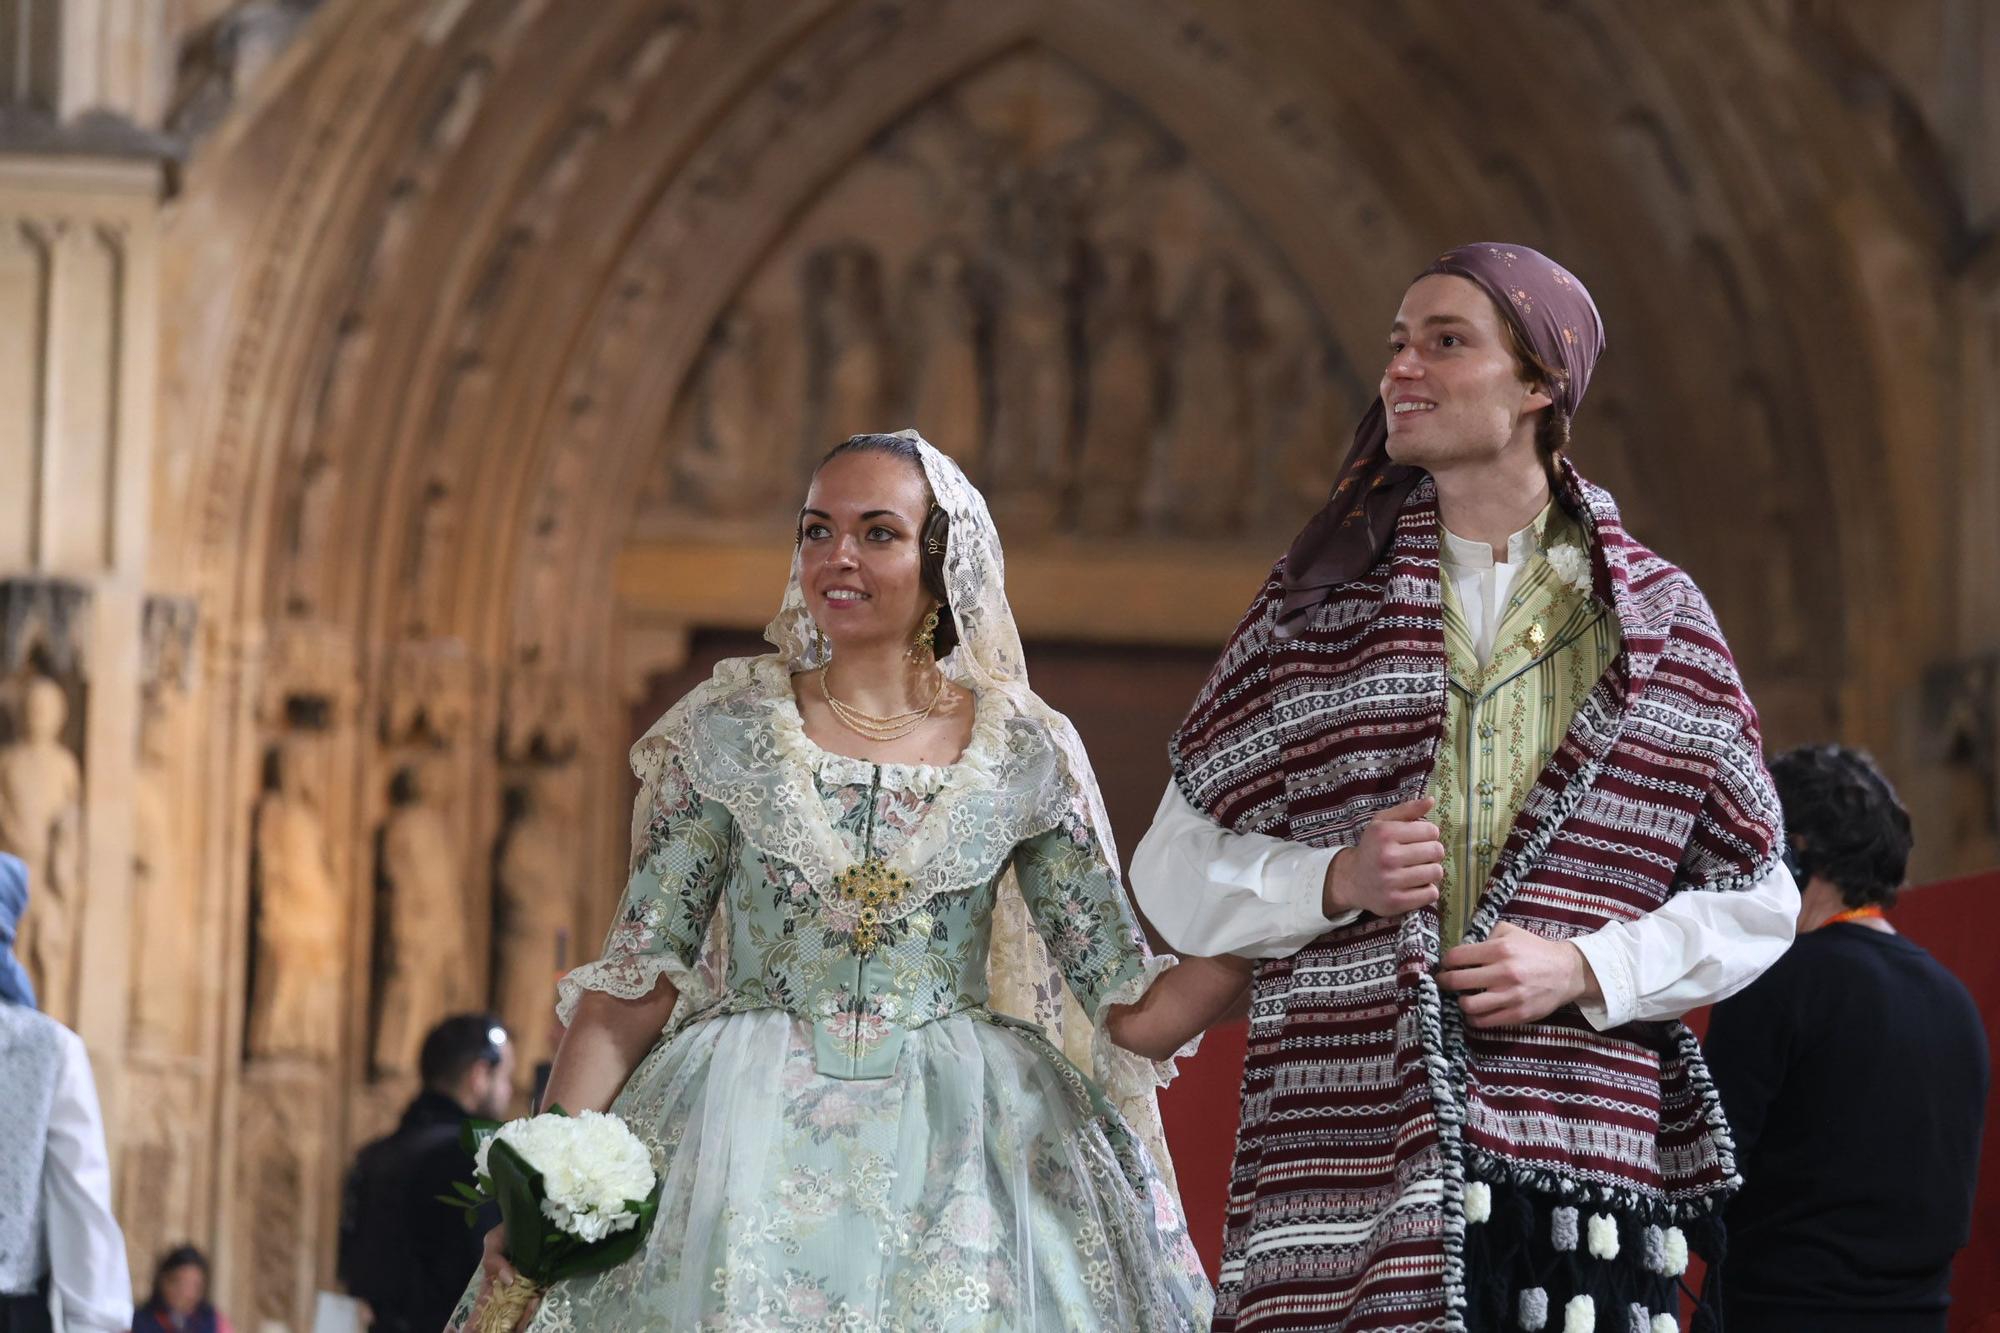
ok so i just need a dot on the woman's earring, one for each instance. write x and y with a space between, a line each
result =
926 644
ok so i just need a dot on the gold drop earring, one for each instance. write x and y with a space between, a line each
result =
926 642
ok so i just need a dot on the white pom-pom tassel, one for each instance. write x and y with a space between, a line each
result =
1580 1315
1677 1252
1478 1201
1534 1309
1603 1233
1665 1323
1562 1228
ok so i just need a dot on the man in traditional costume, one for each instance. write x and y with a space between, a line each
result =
1476 785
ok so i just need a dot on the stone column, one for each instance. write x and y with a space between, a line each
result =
78 334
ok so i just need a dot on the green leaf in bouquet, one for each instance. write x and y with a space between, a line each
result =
475 1132
469 1211
467 1198
518 1188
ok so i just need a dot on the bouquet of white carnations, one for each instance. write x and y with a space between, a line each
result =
577 1194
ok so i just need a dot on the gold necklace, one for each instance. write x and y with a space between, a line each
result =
877 727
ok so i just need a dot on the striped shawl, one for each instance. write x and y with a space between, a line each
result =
1368 1102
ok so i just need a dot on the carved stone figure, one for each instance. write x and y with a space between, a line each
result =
163 928
295 1010
41 811
533 914
1312 416
945 327
424 951
849 372
1122 398
433 556
1032 411
1203 478
720 469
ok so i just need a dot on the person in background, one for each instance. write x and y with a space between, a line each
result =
57 1234
402 1251
179 1303
1854 1074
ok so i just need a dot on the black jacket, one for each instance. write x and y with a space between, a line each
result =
402 1251
1854 1075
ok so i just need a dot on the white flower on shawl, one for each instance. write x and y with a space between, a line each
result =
1571 564
1603 1231
1677 1252
1478 1201
1580 1315
591 1166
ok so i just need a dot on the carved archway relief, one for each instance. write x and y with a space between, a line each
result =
497 318
497 420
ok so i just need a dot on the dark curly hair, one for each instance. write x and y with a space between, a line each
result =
933 541
1845 822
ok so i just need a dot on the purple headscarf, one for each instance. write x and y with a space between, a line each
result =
1550 311
14 985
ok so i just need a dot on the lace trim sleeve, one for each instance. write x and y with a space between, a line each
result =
632 977
1122 1073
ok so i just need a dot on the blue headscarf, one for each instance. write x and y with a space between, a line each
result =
14 985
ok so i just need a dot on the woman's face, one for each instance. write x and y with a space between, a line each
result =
860 549
184 1287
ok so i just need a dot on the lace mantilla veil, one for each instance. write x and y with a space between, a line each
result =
1022 976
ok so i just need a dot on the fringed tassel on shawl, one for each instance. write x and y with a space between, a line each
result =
1542 1265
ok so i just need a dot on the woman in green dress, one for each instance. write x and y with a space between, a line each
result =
853 857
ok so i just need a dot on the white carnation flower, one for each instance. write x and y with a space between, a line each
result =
1603 1236
591 1165
1677 1252
1580 1315
1478 1201
1571 565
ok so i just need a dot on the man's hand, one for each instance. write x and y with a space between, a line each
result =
1394 868
1515 976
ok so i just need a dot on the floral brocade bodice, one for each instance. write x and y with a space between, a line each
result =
861 897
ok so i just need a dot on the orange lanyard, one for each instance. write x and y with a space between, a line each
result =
1855 914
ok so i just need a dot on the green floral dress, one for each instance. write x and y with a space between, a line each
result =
849 1137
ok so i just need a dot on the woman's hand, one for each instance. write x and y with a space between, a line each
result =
1182 1002
499 1273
